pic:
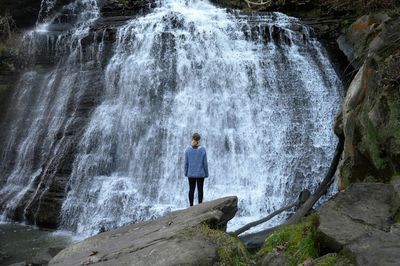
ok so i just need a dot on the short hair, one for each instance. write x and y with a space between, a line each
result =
196 136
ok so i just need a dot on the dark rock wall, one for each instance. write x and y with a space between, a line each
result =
24 12
9 68
126 7
370 115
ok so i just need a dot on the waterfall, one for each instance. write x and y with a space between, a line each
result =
258 88
45 107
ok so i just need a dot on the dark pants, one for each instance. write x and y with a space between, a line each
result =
192 186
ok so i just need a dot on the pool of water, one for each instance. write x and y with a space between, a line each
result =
20 242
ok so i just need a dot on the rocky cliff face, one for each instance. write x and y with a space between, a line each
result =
15 15
24 12
370 115
9 68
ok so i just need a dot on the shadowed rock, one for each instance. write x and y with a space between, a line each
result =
360 220
370 113
159 242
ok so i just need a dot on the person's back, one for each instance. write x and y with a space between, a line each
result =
196 162
196 167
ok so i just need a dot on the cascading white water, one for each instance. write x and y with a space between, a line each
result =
264 111
39 114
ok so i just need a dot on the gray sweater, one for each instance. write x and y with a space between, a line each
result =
196 162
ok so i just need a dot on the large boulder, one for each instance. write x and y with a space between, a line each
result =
371 111
170 240
362 221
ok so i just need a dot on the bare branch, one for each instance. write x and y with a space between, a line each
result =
263 220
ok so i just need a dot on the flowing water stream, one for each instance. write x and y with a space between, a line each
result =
259 89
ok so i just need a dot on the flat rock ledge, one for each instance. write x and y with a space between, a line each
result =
364 221
159 242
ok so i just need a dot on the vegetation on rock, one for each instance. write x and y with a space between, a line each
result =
327 260
298 241
371 112
231 250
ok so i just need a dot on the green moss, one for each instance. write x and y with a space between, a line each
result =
7 48
372 145
382 145
297 241
393 126
396 216
345 257
395 176
11 45
3 88
231 250
346 173
327 261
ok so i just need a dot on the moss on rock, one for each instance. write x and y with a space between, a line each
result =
371 113
327 260
231 250
298 241
396 216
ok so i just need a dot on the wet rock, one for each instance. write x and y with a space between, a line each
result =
112 8
160 242
358 220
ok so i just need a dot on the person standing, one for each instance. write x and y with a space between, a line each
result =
196 167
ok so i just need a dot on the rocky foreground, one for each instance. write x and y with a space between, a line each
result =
364 221
180 238
360 226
